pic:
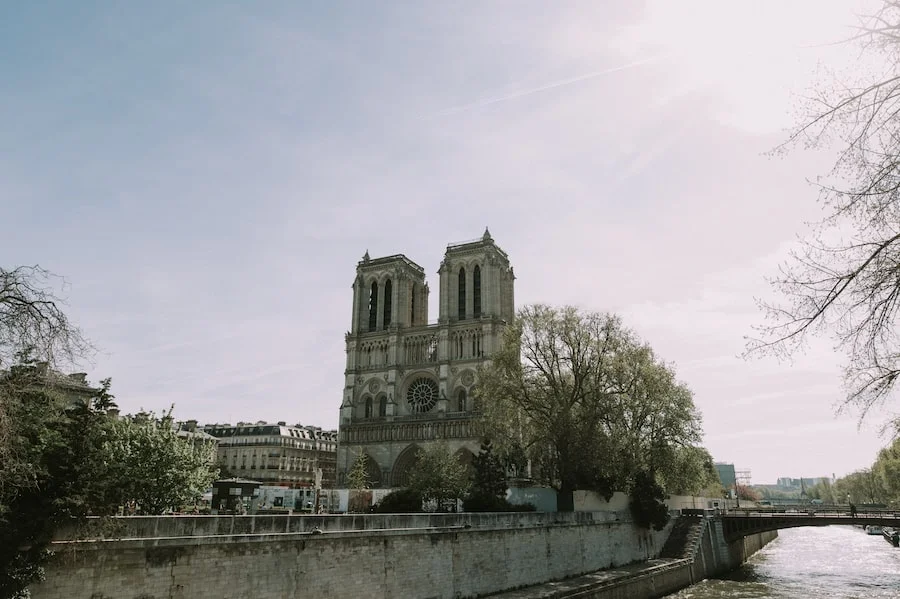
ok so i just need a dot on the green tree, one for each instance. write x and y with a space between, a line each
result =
55 472
489 476
647 503
887 470
438 475
586 401
488 492
155 467
691 472
842 282
822 490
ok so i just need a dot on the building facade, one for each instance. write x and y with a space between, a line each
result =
277 454
408 381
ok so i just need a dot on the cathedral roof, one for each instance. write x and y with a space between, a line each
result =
372 262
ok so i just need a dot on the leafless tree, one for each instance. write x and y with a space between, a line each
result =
844 281
32 321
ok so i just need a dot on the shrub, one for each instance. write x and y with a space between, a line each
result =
401 501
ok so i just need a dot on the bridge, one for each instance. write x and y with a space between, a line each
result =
740 523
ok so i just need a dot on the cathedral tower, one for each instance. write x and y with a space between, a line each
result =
407 382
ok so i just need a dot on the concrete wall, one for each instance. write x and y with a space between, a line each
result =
156 527
385 559
589 501
716 556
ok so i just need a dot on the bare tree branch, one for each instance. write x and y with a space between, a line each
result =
33 322
845 280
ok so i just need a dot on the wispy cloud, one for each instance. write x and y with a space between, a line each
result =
535 90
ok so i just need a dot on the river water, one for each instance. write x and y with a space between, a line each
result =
834 562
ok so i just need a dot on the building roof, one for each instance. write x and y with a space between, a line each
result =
372 262
199 435
263 428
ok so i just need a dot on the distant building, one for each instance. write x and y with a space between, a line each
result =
73 387
276 454
727 475
188 430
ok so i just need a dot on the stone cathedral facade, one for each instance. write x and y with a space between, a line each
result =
410 381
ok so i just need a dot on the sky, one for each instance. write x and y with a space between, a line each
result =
206 176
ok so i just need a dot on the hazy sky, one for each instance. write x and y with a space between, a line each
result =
206 175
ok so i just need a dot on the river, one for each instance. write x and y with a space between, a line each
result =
837 562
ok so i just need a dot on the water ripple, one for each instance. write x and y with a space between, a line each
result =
834 562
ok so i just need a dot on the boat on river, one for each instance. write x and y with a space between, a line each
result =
891 535
873 529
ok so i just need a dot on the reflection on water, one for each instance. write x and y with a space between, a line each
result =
837 562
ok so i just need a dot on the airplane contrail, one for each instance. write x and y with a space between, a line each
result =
534 90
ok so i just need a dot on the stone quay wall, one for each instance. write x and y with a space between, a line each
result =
430 556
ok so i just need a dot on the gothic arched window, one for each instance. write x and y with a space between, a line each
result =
382 406
387 304
368 407
476 291
373 306
461 401
462 294
412 303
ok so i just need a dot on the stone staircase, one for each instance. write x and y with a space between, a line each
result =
683 541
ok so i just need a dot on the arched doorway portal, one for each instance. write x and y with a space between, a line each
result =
404 464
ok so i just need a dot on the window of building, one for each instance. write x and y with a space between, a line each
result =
461 300
386 319
382 407
461 400
476 291
412 303
368 407
373 306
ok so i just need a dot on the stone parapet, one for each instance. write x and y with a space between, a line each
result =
140 527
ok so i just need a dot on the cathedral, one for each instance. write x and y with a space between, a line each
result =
409 381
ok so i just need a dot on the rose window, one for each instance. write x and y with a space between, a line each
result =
422 395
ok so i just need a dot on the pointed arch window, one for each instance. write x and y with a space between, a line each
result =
461 311
368 407
412 303
387 304
373 306
461 401
382 407
476 291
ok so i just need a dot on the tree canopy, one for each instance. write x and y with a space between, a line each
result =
53 471
842 281
154 468
588 404
438 476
